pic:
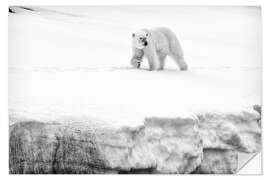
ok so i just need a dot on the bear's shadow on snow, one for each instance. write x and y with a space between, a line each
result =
129 68
145 69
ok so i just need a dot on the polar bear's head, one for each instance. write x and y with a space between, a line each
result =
140 39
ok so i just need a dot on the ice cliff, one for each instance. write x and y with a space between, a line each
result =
205 143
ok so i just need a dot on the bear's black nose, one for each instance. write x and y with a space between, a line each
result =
145 43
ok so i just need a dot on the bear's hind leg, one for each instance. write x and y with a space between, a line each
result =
180 62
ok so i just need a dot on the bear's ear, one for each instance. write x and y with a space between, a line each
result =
133 35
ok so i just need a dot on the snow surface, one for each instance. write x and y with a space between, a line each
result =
71 64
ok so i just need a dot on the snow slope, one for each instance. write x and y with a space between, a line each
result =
72 64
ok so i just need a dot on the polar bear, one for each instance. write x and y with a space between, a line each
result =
156 44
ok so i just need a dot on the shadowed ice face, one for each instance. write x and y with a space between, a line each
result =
140 40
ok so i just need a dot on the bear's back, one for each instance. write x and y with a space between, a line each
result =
171 37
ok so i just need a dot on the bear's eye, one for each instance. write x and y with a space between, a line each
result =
133 35
146 34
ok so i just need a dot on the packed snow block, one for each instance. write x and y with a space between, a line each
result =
258 108
235 131
165 145
218 161
30 148
39 148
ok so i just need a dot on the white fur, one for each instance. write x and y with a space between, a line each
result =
161 42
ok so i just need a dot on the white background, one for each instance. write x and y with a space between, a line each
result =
4 67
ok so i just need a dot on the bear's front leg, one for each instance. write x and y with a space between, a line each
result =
137 57
153 60
136 63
